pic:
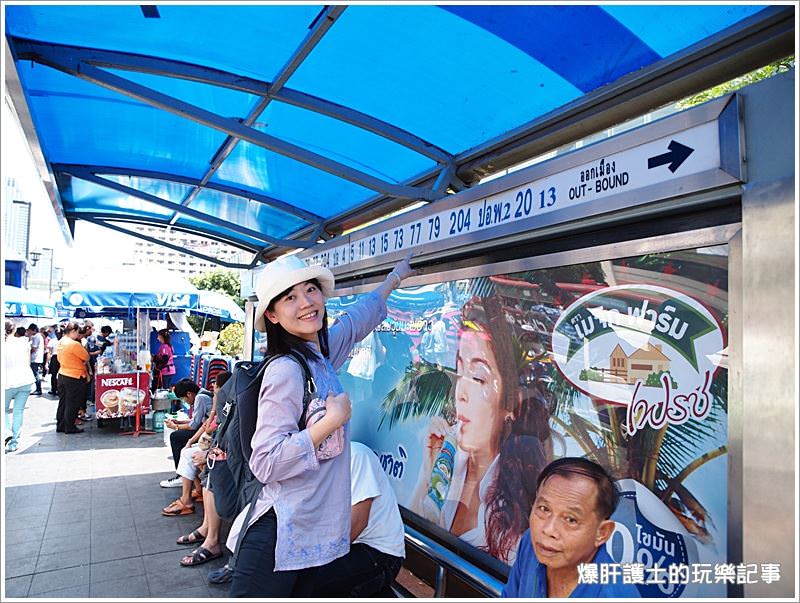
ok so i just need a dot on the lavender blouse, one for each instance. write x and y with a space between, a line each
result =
311 498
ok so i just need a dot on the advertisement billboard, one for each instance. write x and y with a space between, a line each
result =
117 395
471 386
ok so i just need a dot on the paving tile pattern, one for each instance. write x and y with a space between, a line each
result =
83 516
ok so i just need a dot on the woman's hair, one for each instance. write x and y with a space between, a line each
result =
280 341
164 334
20 332
523 442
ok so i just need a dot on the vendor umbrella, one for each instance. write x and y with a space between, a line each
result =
131 287
18 303
213 303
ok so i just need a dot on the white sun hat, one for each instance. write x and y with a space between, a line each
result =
283 273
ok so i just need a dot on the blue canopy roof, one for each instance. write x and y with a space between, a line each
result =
272 126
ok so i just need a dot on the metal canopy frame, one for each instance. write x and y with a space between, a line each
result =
107 224
88 176
318 29
180 179
31 50
753 42
110 216
226 125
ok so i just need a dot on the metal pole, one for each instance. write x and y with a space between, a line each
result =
50 283
440 582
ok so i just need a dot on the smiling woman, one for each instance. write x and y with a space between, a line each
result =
501 438
301 518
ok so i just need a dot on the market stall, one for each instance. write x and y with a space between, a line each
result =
137 295
216 309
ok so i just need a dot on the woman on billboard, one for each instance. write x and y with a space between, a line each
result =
479 476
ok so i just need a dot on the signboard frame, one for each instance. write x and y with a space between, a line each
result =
704 237
700 238
726 112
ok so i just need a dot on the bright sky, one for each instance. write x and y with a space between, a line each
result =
94 247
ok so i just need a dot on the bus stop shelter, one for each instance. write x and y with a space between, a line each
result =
283 128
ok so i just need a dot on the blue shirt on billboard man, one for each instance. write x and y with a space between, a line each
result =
569 524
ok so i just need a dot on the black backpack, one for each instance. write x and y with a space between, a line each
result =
231 481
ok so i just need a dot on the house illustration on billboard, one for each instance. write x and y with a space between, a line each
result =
639 365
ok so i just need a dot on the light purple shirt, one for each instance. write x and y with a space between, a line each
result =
311 498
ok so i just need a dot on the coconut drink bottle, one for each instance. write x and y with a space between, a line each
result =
441 475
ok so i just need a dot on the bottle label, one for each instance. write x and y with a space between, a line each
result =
442 474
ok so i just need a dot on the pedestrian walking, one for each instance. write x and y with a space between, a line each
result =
18 378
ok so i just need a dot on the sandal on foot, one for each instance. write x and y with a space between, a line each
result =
176 507
198 556
197 496
195 537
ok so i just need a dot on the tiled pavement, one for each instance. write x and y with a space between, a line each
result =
82 516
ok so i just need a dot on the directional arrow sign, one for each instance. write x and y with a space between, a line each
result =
676 155
590 181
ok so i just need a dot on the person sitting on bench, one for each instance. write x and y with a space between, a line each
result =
201 400
377 537
570 524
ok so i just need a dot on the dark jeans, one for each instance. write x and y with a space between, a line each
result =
254 574
55 366
160 381
90 387
177 441
37 368
71 393
363 572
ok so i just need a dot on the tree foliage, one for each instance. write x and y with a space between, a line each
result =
231 339
227 282
754 76
222 281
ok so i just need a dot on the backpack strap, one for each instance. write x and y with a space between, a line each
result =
309 391
248 413
233 390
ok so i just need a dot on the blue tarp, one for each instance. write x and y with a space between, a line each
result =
261 123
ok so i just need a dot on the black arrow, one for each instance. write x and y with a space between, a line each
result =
675 157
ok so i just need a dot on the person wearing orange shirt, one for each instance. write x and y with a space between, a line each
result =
73 378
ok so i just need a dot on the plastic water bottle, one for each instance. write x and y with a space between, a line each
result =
441 475
158 420
142 359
